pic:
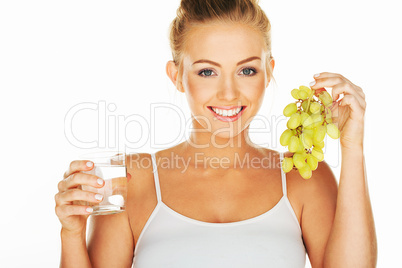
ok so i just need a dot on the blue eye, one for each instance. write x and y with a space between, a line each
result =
247 71
206 72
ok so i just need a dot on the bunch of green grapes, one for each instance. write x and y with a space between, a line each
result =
310 119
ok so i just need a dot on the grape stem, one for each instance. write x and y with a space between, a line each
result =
309 100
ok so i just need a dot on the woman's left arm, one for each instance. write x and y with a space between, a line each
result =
352 241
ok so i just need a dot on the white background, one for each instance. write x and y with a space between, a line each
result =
55 55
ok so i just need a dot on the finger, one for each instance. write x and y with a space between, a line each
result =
69 210
346 89
79 178
329 75
359 90
339 77
326 82
78 165
354 105
77 195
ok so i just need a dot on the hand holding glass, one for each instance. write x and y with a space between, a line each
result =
111 167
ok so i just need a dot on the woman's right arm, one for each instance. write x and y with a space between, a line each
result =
110 239
73 217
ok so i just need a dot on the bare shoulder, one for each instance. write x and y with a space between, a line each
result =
140 175
141 195
140 170
321 183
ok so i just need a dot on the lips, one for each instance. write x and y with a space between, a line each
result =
227 113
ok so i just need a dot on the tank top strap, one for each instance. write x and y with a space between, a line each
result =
283 175
156 178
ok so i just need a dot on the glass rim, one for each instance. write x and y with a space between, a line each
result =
101 155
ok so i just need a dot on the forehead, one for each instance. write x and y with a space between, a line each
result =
223 42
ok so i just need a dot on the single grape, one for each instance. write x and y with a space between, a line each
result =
305 172
320 144
317 153
287 164
306 89
285 137
306 140
315 107
318 119
303 94
308 122
312 162
333 131
325 98
300 149
290 109
294 121
299 160
303 116
308 131
293 144
295 93
313 121
319 133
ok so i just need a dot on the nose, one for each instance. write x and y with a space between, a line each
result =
228 90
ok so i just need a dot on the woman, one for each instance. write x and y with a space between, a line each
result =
225 208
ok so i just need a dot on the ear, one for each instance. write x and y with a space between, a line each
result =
172 71
272 63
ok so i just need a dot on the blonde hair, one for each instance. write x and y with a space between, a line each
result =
193 12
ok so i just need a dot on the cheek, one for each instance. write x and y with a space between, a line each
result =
254 90
198 91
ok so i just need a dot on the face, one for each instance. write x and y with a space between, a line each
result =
224 71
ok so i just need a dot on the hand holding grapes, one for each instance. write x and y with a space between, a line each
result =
315 114
347 112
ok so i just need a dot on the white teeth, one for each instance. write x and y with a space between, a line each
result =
222 112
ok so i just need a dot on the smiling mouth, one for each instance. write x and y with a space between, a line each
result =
227 111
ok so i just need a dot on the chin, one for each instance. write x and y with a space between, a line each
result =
225 133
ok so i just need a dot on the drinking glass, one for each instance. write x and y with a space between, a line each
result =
111 167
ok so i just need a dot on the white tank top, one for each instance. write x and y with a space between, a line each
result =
169 239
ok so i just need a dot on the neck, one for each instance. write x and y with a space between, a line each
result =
214 150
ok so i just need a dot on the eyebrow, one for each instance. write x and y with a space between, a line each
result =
217 64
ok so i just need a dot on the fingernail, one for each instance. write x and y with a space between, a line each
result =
98 197
89 210
90 164
99 181
316 75
312 83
